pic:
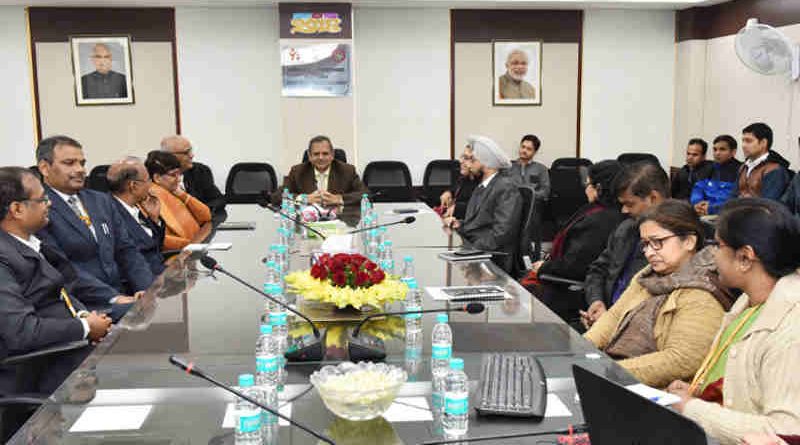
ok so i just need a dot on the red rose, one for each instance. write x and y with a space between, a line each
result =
358 260
362 278
339 279
369 265
377 276
318 271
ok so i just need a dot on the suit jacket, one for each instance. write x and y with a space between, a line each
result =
149 246
343 180
493 219
112 261
32 315
198 181
104 86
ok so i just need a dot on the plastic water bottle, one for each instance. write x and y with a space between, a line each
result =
441 352
365 205
267 358
283 251
303 204
456 399
270 280
387 257
280 332
408 268
372 249
413 303
413 354
283 236
248 416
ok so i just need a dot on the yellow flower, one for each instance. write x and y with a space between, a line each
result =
388 291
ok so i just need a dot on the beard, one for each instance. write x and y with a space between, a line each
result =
516 77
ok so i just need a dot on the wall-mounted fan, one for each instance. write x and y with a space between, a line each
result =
766 50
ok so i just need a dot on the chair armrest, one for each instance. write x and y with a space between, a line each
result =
574 285
62 347
22 400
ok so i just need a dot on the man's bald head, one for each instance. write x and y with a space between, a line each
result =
123 177
180 147
101 57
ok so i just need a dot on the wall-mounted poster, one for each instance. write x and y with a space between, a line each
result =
316 68
102 69
517 73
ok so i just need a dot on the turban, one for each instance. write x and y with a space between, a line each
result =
488 153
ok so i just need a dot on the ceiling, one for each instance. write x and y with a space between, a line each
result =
482 4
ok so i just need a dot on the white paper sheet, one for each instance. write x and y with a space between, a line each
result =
409 409
338 243
230 422
111 418
555 407
658 396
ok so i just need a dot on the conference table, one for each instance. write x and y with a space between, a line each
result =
126 391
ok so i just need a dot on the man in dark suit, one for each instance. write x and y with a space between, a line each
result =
85 228
494 210
38 290
326 181
103 82
198 180
129 184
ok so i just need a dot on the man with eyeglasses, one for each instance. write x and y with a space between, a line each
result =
85 227
40 292
103 82
198 180
129 184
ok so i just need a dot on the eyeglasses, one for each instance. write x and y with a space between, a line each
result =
655 243
43 200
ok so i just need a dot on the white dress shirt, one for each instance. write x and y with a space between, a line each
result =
755 162
485 182
84 213
135 212
36 245
322 178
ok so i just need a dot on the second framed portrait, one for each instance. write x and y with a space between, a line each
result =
517 73
102 70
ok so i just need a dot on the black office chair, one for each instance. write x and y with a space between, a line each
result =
526 231
338 154
567 189
440 175
632 158
16 408
389 181
571 162
97 178
248 182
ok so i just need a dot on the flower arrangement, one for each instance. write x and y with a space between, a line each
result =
347 280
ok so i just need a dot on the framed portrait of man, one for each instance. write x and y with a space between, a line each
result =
102 70
517 73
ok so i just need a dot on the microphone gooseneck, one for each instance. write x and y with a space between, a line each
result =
263 203
193 370
472 308
406 220
212 264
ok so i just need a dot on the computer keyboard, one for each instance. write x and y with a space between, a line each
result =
512 385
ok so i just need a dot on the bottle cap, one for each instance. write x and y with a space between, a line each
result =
266 329
441 318
364 195
457 364
412 284
274 247
373 232
408 258
271 264
246 380
388 243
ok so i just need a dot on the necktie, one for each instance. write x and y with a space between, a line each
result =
73 204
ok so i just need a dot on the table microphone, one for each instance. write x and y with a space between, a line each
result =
193 370
263 202
312 350
406 220
365 348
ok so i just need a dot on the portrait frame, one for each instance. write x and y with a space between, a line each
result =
502 81
117 85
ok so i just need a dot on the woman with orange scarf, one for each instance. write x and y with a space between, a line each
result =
183 214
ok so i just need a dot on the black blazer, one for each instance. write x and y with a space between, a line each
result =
32 315
493 219
149 246
584 241
111 261
199 182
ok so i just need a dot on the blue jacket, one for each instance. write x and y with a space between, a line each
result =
149 246
111 261
718 188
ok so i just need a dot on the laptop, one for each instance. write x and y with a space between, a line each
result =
617 416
